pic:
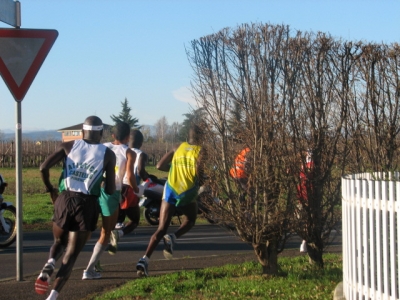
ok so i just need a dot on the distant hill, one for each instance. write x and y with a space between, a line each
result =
45 135
48 135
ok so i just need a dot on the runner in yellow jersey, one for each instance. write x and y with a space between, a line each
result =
184 164
181 188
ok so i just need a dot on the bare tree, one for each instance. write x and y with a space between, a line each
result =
146 131
376 107
161 128
240 69
285 94
173 132
316 117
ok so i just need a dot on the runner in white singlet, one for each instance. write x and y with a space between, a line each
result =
109 204
76 209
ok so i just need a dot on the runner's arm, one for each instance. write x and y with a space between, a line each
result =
130 162
50 161
165 162
142 166
200 166
109 168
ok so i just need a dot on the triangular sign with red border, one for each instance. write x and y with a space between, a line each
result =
22 53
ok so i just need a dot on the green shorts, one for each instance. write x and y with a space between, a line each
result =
109 203
180 200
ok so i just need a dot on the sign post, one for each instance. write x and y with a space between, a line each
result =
22 53
18 166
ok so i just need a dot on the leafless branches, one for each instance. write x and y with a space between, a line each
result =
279 94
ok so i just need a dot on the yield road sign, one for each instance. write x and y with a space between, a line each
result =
22 53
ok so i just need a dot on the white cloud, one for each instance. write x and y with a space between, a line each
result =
185 95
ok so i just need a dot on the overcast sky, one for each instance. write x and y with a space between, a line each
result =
107 51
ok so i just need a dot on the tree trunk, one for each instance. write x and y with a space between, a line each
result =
267 255
315 251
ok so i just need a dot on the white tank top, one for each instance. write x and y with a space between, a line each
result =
120 165
135 168
83 168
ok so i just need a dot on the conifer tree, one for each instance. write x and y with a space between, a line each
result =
190 117
125 116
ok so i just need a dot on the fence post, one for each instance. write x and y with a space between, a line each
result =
371 237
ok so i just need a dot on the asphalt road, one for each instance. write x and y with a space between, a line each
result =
202 240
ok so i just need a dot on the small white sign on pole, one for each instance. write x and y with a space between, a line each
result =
10 12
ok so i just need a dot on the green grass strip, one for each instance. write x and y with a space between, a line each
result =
297 280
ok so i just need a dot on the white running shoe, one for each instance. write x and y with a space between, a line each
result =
113 246
119 226
303 247
87 275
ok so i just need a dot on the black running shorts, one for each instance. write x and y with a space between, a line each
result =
76 211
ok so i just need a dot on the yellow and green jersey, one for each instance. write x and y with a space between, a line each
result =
182 185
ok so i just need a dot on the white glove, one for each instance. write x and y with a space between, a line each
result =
204 189
146 183
141 191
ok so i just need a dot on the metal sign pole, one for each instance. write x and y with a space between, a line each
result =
18 165
17 14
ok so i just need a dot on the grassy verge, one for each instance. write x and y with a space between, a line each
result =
37 211
32 182
297 280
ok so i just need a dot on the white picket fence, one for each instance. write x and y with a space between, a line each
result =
371 235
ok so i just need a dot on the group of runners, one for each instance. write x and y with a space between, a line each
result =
104 179
99 178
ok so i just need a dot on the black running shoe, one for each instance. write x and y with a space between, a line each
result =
142 268
168 246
